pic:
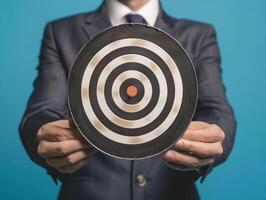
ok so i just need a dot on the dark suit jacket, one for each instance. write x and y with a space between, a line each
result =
106 178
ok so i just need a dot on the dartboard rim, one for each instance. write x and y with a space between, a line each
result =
81 123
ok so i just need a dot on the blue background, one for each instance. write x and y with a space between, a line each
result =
241 28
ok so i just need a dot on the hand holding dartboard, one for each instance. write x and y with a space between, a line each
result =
132 91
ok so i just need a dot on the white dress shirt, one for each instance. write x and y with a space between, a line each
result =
117 12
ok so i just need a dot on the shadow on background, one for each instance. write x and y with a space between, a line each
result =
241 28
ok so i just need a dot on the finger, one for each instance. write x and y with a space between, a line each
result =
178 167
61 123
73 168
63 148
186 160
199 148
207 135
54 133
71 159
198 125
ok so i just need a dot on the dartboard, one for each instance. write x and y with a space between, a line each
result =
132 91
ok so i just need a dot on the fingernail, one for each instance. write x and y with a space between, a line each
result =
180 142
167 155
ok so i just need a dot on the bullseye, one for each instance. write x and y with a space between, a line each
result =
132 91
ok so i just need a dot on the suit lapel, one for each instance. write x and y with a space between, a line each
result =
165 23
96 22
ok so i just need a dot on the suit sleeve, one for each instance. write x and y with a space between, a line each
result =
213 106
48 100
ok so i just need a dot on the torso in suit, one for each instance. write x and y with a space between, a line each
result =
106 178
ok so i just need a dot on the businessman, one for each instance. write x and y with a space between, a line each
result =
53 142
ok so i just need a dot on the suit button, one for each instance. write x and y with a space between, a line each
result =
141 181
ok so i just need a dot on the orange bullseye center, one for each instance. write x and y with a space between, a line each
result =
132 91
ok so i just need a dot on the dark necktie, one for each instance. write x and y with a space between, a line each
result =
135 18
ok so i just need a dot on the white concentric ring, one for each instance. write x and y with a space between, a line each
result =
138 123
161 128
131 108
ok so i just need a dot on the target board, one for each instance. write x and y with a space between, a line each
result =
132 91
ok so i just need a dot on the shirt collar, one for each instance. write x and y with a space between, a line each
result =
117 11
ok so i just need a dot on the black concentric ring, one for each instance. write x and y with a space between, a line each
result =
123 91
155 87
